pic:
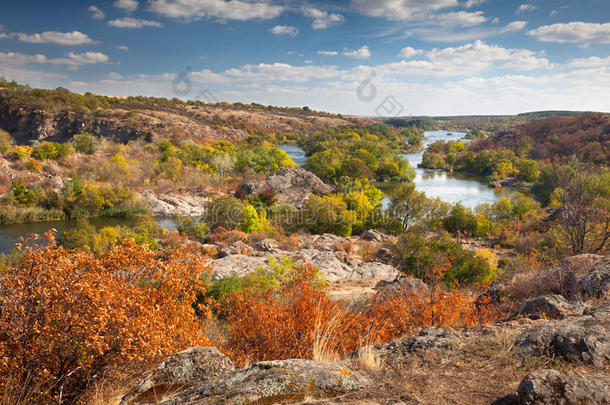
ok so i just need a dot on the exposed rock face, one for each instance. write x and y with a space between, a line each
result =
555 387
167 205
589 276
406 285
273 382
291 186
583 339
196 365
551 306
430 338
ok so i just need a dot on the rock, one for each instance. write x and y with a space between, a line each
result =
271 382
405 285
168 205
328 263
291 186
551 306
376 270
580 339
235 264
266 245
555 387
430 338
373 235
196 365
593 278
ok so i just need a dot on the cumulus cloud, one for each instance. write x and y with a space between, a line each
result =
399 9
127 5
96 13
526 7
362 53
122 47
54 37
128 22
515 26
322 19
593 61
328 53
409 52
472 3
228 10
284 30
573 32
72 59
463 18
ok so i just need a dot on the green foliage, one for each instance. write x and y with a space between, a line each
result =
5 141
460 220
263 159
52 150
231 213
410 209
329 214
528 170
22 195
190 227
415 255
86 143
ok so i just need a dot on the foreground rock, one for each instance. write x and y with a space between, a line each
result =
555 387
196 365
551 306
275 382
291 186
579 339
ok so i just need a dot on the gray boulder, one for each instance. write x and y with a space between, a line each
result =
272 382
555 387
551 306
196 365
291 186
592 280
580 339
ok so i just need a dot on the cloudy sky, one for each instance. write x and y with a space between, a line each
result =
371 57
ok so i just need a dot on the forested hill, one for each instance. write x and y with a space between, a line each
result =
586 136
55 115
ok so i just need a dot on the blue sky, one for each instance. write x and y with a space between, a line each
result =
382 57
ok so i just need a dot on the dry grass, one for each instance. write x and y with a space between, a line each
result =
368 359
325 337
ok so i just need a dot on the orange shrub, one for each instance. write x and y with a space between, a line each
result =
285 323
68 316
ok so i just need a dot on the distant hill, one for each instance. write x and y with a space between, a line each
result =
35 114
586 136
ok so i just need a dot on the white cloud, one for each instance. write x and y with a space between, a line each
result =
573 32
322 19
526 7
463 18
127 5
128 22
409 52
515 26
229 10
284 30
122 47
553 12
496 20
472 3
328 53
54 37
72 59
592 61
281 72
97 13
362 53
114 76
400 9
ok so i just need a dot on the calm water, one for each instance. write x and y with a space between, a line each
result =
11 234
450 187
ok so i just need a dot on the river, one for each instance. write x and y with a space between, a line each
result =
450 187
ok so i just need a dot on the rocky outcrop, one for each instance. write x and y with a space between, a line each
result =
291 186
579 339
196 365
589 276
168 205
275 382
551 306
553 387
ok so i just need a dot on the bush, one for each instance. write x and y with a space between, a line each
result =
90 315
188 226
460 220
5 141
86 143
231 213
